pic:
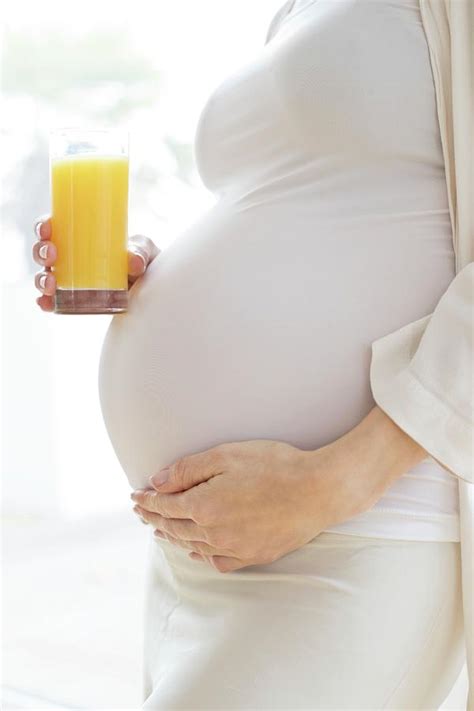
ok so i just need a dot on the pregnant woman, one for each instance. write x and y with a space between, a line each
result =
306 551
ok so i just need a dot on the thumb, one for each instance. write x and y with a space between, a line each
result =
188 471
141 252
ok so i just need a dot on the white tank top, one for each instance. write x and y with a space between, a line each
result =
331 229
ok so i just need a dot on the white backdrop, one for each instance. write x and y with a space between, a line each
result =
57 457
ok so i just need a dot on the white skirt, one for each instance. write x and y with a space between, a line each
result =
345 622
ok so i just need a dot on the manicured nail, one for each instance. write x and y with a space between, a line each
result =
196 556
142 257
137 512
161 477
158 533
43 251
42 281
134 495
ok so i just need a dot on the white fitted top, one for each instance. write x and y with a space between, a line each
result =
331 229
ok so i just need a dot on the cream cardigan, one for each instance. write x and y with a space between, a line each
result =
422 375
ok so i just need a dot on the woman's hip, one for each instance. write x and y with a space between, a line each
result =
344 622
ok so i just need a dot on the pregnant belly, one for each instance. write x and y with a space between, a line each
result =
255 324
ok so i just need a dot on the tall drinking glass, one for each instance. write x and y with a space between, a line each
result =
89 173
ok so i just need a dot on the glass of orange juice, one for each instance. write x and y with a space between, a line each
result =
89 172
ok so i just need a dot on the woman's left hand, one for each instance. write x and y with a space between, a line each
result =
249 503
252 502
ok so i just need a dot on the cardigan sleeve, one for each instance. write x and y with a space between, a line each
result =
422 376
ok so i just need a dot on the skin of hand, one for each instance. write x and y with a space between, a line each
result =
141 252
247 503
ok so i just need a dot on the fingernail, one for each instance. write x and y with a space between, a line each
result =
139 254
43 251
158 533
161 477
196 556
42 281
143 520
37 229
136 494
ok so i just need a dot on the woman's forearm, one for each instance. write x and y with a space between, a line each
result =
389 450
363 463
385 449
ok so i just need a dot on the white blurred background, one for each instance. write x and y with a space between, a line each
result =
73 551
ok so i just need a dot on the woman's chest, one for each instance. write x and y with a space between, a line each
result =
343 81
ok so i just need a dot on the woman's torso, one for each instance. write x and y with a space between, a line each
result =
331 229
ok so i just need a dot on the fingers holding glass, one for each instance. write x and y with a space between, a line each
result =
46 283
42 227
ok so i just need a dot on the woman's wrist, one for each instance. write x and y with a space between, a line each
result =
388 445
384 450
353 472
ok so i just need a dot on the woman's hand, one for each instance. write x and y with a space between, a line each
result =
249 503
242 503
141 252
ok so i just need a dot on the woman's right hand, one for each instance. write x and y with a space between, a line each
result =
141 252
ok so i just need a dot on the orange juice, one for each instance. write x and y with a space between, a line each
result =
89 195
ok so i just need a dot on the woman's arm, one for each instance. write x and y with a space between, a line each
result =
422 376
248 503
377 452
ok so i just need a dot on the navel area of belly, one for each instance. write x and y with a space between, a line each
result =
251 324
230 342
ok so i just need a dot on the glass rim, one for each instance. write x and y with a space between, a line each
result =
78 129
90 141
